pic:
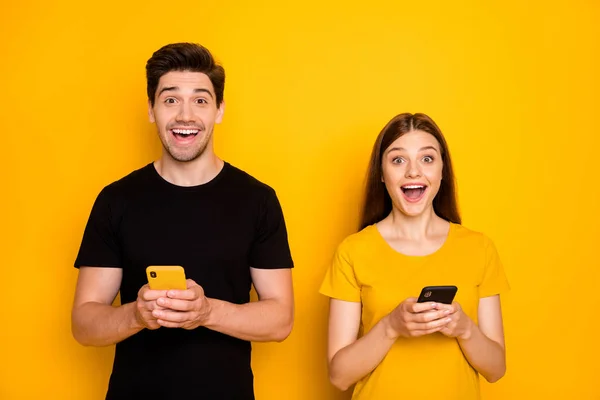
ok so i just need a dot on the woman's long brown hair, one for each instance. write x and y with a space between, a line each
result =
377 202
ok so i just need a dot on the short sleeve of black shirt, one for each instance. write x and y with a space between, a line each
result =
99 246
270 249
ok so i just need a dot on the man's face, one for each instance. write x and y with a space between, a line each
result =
185 112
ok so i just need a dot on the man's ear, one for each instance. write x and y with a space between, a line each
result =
220 113
151 112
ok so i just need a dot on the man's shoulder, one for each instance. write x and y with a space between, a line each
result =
246 182
130 183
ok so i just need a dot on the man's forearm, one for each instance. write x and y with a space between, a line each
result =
97 324
259 321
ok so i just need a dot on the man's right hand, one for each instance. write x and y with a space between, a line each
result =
145 304
412 319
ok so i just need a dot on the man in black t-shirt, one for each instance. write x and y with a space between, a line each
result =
189 208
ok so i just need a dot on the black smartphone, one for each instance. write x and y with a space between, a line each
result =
438 294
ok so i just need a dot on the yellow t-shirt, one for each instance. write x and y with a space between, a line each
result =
366 269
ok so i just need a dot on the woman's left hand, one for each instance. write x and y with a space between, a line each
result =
460 324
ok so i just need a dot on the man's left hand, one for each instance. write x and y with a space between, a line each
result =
186 309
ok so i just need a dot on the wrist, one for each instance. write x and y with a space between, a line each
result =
390 333
211 314
135 322
466 335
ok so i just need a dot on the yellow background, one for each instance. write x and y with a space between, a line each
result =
513 86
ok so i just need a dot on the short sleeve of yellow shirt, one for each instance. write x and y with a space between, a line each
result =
366 269
494 279
340 281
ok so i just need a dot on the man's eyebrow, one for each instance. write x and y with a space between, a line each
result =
202 90
175 88
167 89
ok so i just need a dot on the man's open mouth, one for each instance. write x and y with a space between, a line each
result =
184 133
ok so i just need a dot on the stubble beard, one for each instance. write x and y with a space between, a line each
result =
187 156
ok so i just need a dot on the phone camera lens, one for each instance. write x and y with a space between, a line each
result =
153 274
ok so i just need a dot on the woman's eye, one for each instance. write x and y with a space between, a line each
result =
428 159
397 160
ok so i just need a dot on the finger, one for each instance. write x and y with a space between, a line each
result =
450 307
423 332
425 326
189 294
149 295
442 322
168 324
171 316
420 307
190 283
456 307
152 324
175 304
193 292
152 305
447 330
429 316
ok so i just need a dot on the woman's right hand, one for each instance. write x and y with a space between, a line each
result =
412 319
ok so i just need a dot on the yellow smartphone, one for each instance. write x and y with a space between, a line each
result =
165 277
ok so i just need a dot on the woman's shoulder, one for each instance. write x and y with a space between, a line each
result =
360 239
466 234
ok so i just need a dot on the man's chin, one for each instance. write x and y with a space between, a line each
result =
183 156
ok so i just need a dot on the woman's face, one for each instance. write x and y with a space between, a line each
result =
412 172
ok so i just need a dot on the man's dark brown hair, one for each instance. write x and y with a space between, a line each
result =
184 57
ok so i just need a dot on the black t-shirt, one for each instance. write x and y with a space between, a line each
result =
216 231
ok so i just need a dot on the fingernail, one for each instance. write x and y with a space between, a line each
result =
448 319
447 312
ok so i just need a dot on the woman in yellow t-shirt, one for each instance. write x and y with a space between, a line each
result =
379 337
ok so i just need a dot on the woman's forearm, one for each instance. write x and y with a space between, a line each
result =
356 360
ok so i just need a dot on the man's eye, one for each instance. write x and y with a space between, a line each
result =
170 100
202 101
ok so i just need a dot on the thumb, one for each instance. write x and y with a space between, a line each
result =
190 283
408 304
195 287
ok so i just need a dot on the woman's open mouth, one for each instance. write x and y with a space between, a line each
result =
414 192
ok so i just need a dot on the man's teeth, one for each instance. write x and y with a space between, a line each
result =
185 131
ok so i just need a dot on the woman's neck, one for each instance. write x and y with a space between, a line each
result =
418 227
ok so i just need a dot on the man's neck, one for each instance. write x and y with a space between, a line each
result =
190 173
